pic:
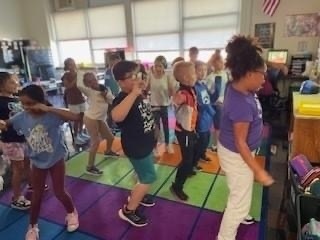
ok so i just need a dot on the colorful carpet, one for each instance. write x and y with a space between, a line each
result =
98 200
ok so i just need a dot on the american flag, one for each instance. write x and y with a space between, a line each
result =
270 6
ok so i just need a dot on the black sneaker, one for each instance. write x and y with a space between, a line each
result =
179 193
94 171
21 203
193 173
30 188
111 154
133 217
147 201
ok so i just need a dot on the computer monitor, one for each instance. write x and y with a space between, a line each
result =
278 56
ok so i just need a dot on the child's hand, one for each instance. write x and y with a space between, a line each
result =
3 125
264 178
40 107
137 89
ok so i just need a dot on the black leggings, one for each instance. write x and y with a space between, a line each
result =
162 113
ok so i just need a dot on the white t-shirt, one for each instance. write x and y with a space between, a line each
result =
210 83
97 104
160 89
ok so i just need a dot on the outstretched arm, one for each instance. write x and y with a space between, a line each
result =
63 113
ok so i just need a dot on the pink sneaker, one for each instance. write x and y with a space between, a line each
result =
72 221
33 233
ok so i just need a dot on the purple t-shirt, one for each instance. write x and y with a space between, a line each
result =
239 107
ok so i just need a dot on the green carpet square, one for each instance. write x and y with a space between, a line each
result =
196 187
113 170
76 166
217 199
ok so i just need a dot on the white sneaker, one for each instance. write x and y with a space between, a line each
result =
72 221
169 149
248 220
84 136
33 233
79 141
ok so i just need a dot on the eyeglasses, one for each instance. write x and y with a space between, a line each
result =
261 72
138 75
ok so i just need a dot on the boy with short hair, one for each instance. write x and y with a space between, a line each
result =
186 117
134 117
193 54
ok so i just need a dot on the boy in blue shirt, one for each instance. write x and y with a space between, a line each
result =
205 114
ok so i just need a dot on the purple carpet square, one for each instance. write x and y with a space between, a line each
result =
209 223
6 197
167 220
102 218
83 193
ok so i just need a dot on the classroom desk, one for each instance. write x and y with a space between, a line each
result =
306 129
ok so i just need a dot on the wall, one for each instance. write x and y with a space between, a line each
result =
11 18
286 7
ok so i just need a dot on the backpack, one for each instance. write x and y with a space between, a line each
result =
300 165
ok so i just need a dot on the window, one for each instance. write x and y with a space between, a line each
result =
156 29
107 21
148 57
82 34
70 25
78 50
209 24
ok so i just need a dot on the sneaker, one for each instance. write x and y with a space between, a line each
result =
1 183
32 233
30 188
72 221
94 171
112 154
193 173
197 168
147 201
248 220
169 149
79 141
206 159
21 203
213 148
84 136
180 194
133 217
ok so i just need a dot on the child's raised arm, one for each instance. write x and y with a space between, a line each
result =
63 113
120 111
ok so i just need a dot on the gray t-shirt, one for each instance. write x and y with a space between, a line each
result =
239 107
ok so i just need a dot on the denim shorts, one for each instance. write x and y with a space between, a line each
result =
144 168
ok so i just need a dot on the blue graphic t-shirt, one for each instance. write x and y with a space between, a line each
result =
9 106
44 136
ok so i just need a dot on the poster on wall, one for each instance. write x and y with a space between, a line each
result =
303 25
264 32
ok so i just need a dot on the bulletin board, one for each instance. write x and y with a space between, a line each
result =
264 32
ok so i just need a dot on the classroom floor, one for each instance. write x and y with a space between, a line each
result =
98 200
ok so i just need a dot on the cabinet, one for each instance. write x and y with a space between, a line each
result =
306 129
